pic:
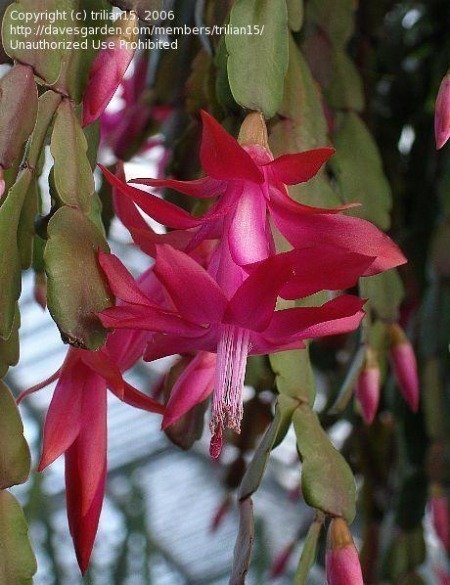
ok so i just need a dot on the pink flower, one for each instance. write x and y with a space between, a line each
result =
250 189
75 424
405 366
440 515
442 113
342 561
368 387
106 73
232 326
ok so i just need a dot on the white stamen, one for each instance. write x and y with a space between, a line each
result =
232 354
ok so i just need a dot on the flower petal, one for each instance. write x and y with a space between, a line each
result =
323 267
339 315
165 345
249 241
83 528
353 234
193 386
124 207
91 441
202 188
222 156
148 318
101 363
291 169
120 280
253 304
193 291
160 210
62 423
138 399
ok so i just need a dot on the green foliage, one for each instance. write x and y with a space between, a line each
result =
17 562
76 290
10 275
73 174
385 293
359 172
309 552
327 481
257 82
15 459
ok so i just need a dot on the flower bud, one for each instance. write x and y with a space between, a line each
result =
107 71
368 387
342 561
404 364
440 514
442 113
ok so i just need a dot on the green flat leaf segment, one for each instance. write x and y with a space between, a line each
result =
73 174
327 481
76 289
17 561
358 169
256 82
15 458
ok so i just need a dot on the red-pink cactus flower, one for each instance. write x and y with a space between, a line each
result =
442 113
404 364
206 319
75 424
342 561
368 387
250 189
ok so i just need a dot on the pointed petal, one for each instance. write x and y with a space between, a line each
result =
354 234
164 345
148 318
83 528
100 362
323 267
291 169
202 188
193 386
124 207
248 239
138 399
147 238
120 280
260 345
222 156
162 211
91 442
340 315
193 291
62 423
253 304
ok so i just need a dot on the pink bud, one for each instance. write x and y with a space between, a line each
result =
279 565
442 113
440 515
342 561
404 363
368 387
107 71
